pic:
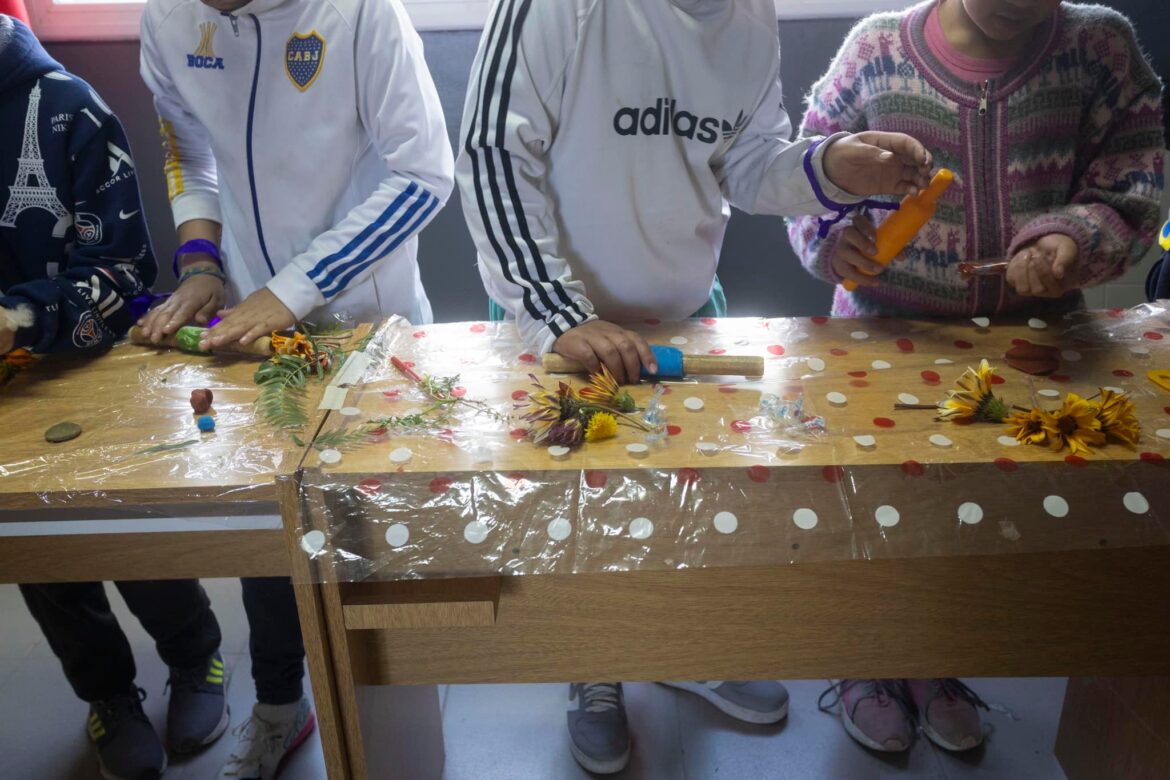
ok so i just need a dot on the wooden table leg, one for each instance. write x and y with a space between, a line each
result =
1115 728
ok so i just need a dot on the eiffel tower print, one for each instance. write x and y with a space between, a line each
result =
32 189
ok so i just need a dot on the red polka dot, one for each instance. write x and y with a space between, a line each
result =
1115 313
420 334
1075 460
964 344
458 392
913 468
518 433
858 374
717 351
653 321
996 379
859 383
1152 457
759 473
370 486
1060 377
1006 464
517 476
728 389
741 426
665 389
775 349
527 357
519 395
1166 409
832 474
1020 342
673 430
447 435
905 345
391 394
440 484
838 352
1122 372
1153 335
596 479
884 422
687 476
819 320
708 320
931 377
478 327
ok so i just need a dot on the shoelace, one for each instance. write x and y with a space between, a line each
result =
600 697
186 678
882 690
114 709
257 736
954 689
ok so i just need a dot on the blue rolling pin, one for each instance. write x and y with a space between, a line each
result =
673 364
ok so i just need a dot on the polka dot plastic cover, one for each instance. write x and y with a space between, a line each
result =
835 453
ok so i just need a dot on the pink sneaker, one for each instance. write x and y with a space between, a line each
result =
946 712
876 713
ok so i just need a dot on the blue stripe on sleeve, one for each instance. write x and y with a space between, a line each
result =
361 237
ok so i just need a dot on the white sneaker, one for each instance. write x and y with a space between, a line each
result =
266 744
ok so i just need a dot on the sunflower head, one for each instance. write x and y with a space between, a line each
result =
1118 418
971 398
604 390
1029 427
601 426
1074 425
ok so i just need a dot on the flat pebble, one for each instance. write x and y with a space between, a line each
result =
939 440
1037 324
63 431
401 455
836 399
815 364
693 404
879 365
907 398
329 456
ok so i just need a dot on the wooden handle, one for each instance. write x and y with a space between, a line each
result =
261 346
693 365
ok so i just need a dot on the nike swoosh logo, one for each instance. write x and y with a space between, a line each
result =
124 215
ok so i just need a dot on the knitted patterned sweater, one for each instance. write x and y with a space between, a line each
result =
1068 141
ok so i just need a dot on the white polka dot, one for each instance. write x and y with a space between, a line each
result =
401 455
1037 324
815 364
726 522
1071 355
1136 503
641 528
1140 350
559 529
482 455
880 365
475 531
944 362
693 403
707 447
1117 390
805 519
1048 392
859 335
351 411
865 441
1009 441
887 516
981 322
329 456
637 450
1163 433
558 452
907 398
1055 506
970 513
939 440
679 340
397 535
837 399
313 542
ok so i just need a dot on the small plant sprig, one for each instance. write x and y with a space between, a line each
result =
442 390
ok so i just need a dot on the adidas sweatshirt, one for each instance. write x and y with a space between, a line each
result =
603 142
313 133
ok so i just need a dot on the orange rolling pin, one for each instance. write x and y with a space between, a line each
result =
900 227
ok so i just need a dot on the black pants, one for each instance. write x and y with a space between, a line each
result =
96 657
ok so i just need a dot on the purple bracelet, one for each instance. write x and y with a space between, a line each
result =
197 245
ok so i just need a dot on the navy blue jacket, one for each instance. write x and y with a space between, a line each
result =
1158 282
74 250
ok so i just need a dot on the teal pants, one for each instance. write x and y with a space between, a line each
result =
716 305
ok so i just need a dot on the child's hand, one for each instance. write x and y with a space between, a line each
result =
622 351
876 163
854 250
197 299
1045 268
258 315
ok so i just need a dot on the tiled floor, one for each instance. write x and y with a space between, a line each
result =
516 732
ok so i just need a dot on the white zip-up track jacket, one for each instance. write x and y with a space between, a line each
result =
311 129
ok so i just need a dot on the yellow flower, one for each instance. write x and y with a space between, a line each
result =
1074 426
604 390
1118 418
601 426
972 399
1029 427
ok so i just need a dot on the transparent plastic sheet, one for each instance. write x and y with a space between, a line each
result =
724 488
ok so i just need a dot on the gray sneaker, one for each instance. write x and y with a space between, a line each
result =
198 711
128 747
599 735
765 701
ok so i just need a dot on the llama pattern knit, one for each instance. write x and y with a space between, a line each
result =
1069 140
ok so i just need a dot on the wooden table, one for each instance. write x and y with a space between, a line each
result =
957 557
